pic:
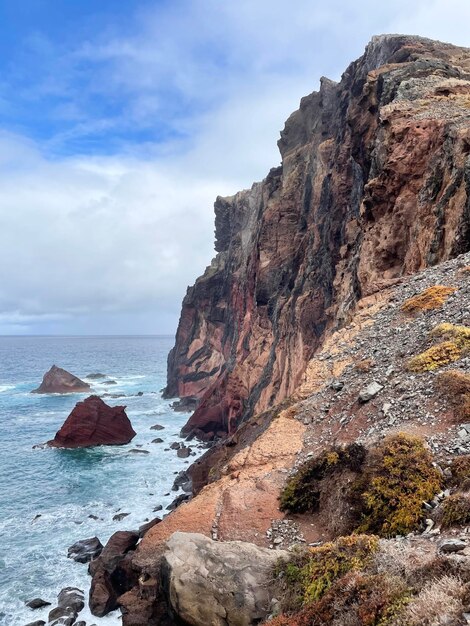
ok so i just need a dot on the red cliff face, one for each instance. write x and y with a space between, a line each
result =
94 423
374 184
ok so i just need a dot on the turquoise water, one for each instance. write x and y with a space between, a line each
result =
47 495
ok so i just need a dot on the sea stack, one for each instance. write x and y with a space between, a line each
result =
58 380
94 423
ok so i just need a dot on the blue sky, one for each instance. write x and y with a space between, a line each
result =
122 121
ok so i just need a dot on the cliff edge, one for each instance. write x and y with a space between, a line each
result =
373 185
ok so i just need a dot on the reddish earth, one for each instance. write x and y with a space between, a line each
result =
94 423
373 186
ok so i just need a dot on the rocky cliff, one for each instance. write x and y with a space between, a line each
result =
374 184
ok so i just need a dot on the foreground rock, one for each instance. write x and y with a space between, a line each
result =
367 165
218 583
70 602
94 423
58 380
37 603
85 550
112 573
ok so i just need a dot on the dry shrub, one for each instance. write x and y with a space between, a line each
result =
460 468
399 477
431 298
456 386
357 599
455 510
439 602
403 559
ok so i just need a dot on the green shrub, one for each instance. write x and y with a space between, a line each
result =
400 476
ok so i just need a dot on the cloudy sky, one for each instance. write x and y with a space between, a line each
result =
122 121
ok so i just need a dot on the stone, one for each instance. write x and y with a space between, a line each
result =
39 622
157 427
95 376
337 385
85 550
71 598
217 583
58 380
452 545
370 391
37 603
183 452
119 517
136 451
184 497
176 445
94 423
157 440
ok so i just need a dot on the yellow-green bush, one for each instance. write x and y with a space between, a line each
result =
431 298
400 477
435 357
329 562
456 344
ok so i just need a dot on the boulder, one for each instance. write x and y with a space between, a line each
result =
95 376
94 423
85 550
370 391
111 572
58 380
71 598
39 622
148 525
452 545
183 452
218 583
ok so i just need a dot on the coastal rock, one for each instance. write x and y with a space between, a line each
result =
112 573
373 186
218 583
58 380
95 376
39 622
148 525
94 423
85 550
37 603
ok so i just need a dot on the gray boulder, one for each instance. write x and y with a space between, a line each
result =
370 391
218 583
85 550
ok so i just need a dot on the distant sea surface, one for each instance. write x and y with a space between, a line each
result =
48 495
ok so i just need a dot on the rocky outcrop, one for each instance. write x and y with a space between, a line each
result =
374 185
218 583
58 380
112 572
94 423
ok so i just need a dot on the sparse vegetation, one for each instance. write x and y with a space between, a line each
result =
455 510
400 477
364 365
431 298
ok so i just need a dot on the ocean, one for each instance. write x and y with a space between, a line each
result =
48 495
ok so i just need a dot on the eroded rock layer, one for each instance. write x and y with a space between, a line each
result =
374 184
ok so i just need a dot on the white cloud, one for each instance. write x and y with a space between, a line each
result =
109 243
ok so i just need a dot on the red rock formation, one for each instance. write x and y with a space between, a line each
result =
94 423
58 380
374 184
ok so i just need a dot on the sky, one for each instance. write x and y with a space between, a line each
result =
121 121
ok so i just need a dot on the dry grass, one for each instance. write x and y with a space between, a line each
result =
431 298
439 602
455 510
460 468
